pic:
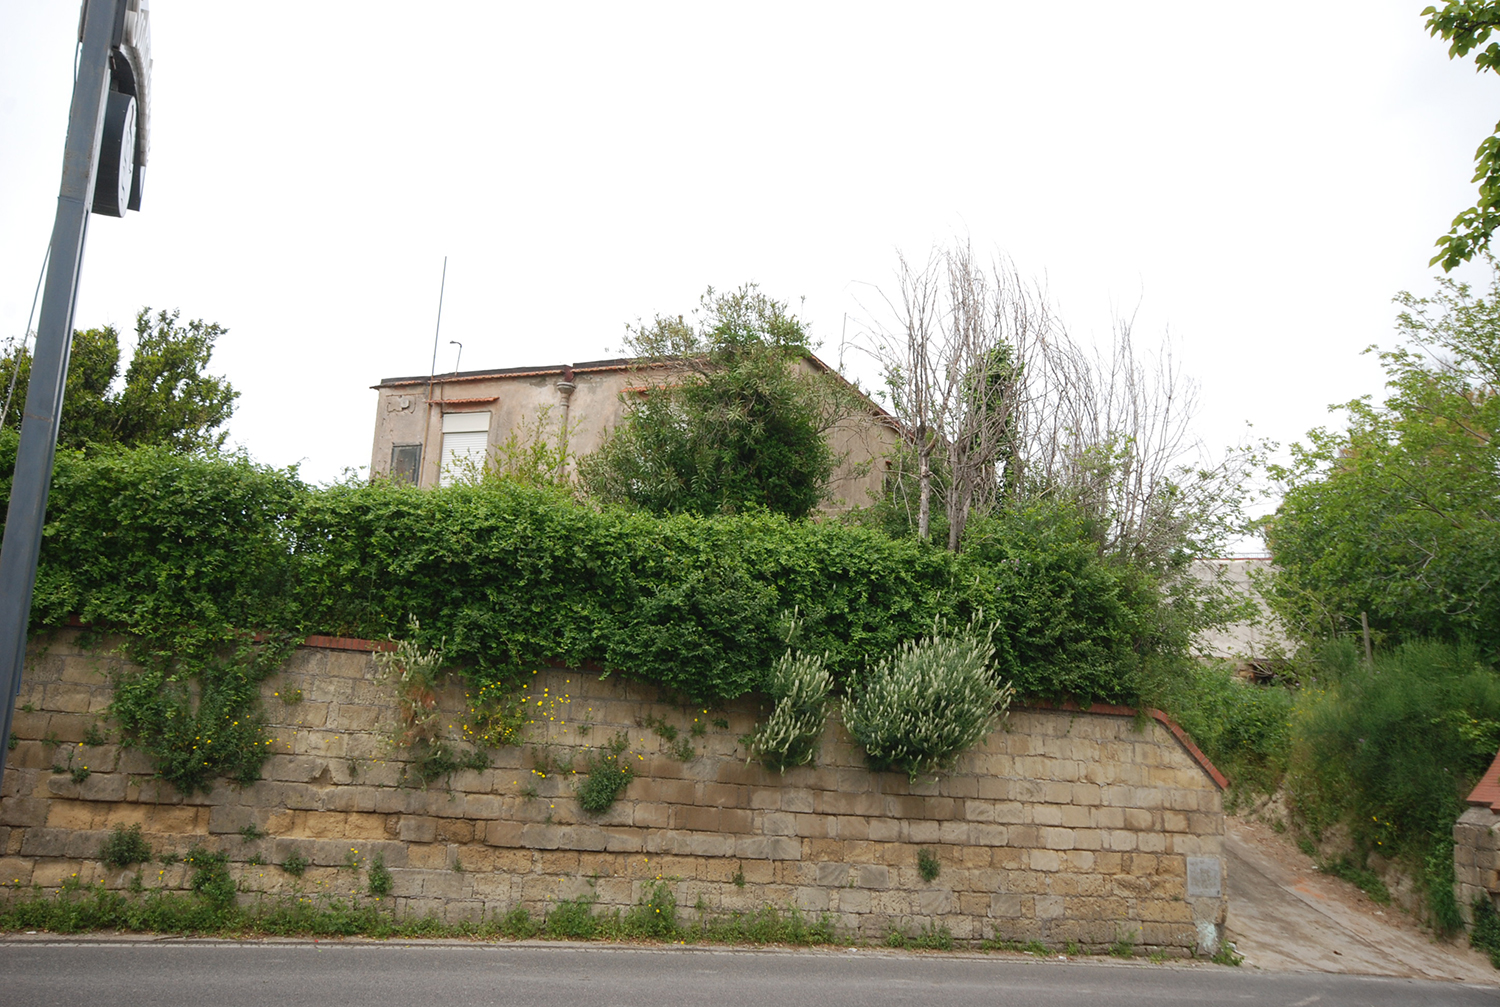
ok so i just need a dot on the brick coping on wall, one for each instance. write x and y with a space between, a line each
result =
1108 709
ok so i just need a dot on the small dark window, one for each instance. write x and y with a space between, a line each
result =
405 460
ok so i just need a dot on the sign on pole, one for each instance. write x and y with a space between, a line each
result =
109 121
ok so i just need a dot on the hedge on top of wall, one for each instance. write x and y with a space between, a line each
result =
173 548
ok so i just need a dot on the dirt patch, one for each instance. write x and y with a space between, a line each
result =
1285 915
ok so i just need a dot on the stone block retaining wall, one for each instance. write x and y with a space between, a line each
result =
1476 857
1065 826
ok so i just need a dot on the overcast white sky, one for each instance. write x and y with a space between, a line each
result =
1257 179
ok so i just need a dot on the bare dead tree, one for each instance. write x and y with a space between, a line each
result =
953 363
987 381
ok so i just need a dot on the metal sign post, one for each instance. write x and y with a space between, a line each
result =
108 114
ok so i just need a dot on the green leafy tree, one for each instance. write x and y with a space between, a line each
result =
1396 514
737 424
166 398
1466 25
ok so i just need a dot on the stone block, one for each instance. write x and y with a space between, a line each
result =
935 902
1057 839
852 900
63 787
922 831
45 842
797 799
1024 836
813 900
1047 814
449 830
1151 842
102 787
1045 860
66 697
779 824
232 818
445 885
68 815
649 815
953 833
15 871
1048 907
736 821
621 840
418 829
541 837
816 826
853 827
764 799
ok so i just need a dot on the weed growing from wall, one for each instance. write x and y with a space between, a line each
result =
678 745
928 865
211 877
606 775
380 877
295 864
193 705
124 847
496 716
416 674
799 684
931 699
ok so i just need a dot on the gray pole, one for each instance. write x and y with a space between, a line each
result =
49 364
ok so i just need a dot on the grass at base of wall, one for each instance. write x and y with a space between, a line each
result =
83 908
78 909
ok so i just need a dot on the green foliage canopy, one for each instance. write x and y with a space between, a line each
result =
1467 26
166 397
739 423
1395 515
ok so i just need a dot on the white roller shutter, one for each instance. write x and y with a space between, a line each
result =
465 438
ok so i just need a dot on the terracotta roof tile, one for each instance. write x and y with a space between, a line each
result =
1488 789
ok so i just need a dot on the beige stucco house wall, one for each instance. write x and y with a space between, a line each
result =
422 424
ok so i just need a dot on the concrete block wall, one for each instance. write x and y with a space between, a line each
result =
1064 827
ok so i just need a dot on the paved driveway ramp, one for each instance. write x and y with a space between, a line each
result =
1284 915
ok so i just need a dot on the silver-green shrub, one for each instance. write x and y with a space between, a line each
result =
799 683
919 707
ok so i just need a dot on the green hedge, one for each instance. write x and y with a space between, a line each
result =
189 551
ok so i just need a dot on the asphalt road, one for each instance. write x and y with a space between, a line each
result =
226 974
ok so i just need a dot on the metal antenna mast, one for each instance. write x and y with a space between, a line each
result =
432 373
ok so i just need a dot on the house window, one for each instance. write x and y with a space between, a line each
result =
406 459
465 439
